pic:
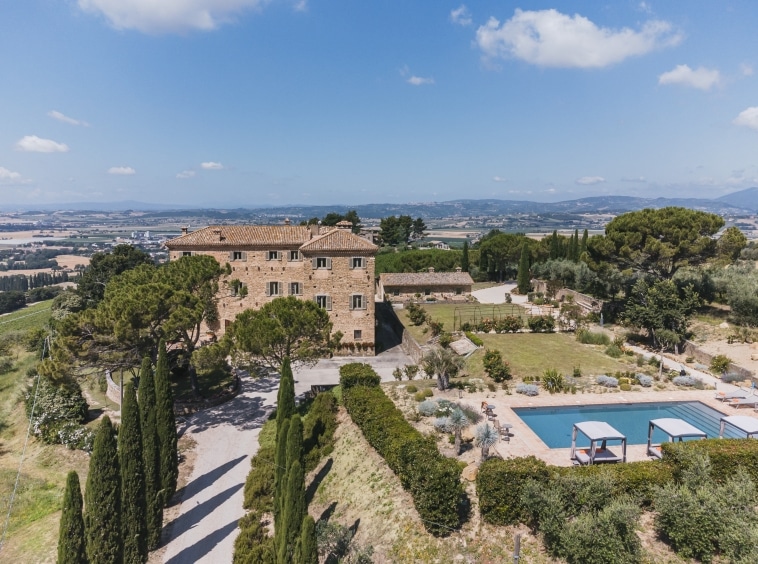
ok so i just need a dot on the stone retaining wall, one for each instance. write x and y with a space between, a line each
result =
691 349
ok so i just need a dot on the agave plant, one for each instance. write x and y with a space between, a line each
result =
486 436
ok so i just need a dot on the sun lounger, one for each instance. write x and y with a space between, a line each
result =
736 394
744 402
655 451
583 456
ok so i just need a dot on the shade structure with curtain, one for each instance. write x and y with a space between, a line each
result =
743 423
598 433
675 429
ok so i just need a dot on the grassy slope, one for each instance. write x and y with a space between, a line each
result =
33 316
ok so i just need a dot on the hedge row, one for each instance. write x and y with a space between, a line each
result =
358 374
500 483
432 479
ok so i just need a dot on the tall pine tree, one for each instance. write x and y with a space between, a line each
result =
72 547
150 455
166 425
524 279
102 518
130 455
464 257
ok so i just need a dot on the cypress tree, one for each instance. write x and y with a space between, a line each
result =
307 551
555 245
464 257
130 455
293 512
575 246
71 543
280 475
285 399
166 425
523 279
583 246
150 455
102 519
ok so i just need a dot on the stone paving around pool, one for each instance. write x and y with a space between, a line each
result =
523 441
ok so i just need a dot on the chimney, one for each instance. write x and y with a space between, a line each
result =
286 221
315 228
217 233
458 269
184 230
344 224
431 269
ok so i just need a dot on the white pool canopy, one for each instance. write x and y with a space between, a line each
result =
597 432
675 429
748 425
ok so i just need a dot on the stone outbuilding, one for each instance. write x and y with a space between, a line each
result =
402 287
331 266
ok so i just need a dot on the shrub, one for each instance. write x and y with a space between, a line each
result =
527 389
541 324
614 351
442 424
495 367
587 337
731 377
432 480
259 484
625 387
509 324
499 485
59 411
416 314
319 426
412 389
411 370
607 381
397 373
473 414
358 374
726 456
720 363
577 372
474 339
644 380
686 381
435 327
419 396
552 381
427 408
428 392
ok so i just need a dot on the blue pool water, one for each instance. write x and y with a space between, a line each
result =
554 424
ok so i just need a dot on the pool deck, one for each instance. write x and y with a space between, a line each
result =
524 442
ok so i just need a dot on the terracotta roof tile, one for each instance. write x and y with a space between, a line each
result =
428 279
338 240
243 236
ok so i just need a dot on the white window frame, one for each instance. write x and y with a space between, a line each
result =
327 263
270 287
360 299
237 256
361 263
186 253
296 291
295 256
357 334
273 255
324 301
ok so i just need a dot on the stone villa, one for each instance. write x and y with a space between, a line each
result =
331 266
402 287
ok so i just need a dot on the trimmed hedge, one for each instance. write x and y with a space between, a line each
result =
358 374
432 479
500 483
727 455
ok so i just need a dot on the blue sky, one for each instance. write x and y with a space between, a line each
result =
257 103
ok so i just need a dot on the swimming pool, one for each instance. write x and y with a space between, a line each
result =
554 424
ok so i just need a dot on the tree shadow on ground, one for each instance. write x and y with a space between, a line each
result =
187 520
197 551
310 491
328 512
201 482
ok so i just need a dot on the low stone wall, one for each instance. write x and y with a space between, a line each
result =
691 349
113 390
411 347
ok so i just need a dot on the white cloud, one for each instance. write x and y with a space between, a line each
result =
65 119
499 179
748 118
122 170
700 78
301 6
640 179
746 69
587 180
211 166
461 15
645 7
419 80
186 174
34 144
169 16
549 38
8 175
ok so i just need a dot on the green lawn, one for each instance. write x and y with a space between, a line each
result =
530 354
452 315
31 317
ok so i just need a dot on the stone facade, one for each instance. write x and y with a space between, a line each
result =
333 267
444 286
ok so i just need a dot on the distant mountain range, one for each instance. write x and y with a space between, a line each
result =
737 203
